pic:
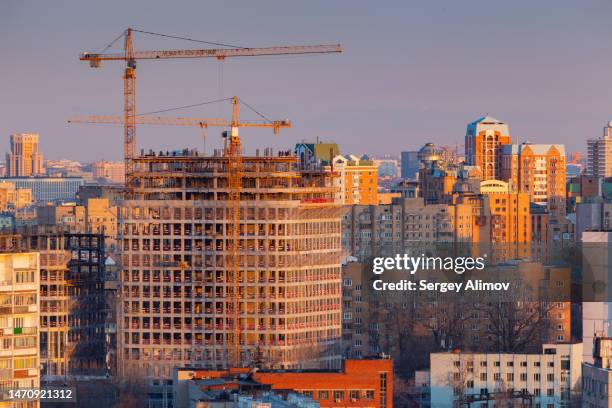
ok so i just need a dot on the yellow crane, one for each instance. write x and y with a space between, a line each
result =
130 56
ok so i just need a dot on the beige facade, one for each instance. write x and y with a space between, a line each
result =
12 198
175 293
111 172
19 325
96 216
24 159
552 377
377 230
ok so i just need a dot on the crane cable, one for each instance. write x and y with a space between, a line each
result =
176 37
258 113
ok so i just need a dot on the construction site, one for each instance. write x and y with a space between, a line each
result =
226 260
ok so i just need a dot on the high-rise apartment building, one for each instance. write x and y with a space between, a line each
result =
484 139
357 180
72 316
599 154
539 170
388 229
24 159
510 216
19 325
176 291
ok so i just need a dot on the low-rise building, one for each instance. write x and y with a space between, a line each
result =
46 189
549 379
359 383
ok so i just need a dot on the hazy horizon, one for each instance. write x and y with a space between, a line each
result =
410 73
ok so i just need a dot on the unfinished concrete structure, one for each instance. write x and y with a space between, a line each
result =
175 297
72 314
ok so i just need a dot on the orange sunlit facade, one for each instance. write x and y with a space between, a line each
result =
360 383
358 180
483 145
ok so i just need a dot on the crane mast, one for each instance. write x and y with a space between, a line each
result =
234 175
129 111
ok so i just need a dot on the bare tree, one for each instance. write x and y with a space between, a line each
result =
517 326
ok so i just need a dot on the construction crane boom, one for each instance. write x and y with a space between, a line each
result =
129 78
219 53
171 121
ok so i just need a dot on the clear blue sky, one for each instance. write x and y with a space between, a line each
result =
412 71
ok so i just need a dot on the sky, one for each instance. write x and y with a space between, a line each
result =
411 72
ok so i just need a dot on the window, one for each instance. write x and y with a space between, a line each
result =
536 376
323 395
369 394
338 395
565 364
550 377
354 395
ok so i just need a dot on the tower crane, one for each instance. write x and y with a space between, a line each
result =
130 56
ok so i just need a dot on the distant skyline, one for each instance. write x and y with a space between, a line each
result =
412 72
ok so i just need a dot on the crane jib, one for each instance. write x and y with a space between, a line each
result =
216 52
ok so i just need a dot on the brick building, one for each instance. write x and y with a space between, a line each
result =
359 383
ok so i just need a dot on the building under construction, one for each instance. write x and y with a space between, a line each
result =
72 314
177 303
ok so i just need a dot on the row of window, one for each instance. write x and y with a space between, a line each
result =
339 395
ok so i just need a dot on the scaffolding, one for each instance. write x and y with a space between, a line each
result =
176 299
